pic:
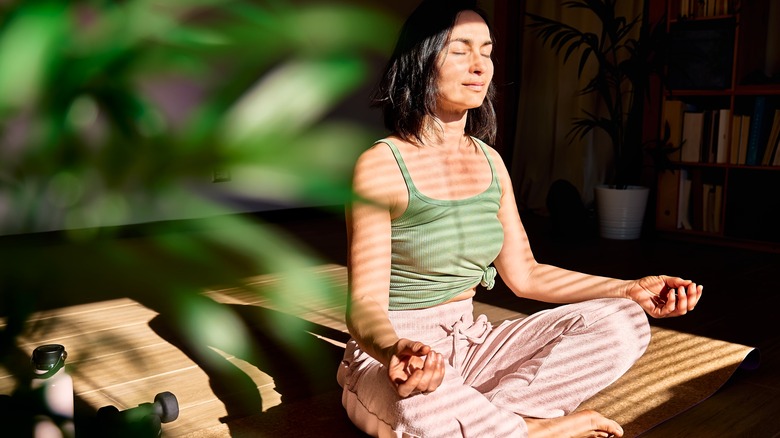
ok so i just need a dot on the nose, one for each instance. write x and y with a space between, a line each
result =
479 64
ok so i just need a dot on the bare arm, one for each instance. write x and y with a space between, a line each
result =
530 279
527 278
368 233
412 366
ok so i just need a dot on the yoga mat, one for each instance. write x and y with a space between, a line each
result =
677 371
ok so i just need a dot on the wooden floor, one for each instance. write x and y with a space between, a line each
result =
739 305
122 354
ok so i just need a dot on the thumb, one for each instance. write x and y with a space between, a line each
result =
407 347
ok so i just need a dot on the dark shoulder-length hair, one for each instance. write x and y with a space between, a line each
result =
407 90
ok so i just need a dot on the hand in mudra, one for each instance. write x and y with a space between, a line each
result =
414 368
662 296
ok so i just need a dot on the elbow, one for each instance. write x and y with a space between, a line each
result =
349 320
519 279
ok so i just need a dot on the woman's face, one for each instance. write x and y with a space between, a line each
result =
465 67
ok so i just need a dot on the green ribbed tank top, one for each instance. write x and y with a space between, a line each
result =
441 248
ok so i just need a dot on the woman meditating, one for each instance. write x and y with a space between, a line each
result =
435 217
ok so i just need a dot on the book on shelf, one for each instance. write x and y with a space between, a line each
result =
712 202
722 142
743 140
685 9
692 130
714 137
704 8
705 134
776 158
683 201
759 131
708 134
736 133
673 118
699 203
771 144
666 213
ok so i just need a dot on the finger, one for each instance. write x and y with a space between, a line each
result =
670 305
674 282
415 349
396 377
396 371
682 301
438 374
610 428
406 388
421 349
429 368
435 374
694 295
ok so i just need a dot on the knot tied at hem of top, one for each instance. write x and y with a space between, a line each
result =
488 278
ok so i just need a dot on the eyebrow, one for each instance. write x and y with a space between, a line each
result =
468 41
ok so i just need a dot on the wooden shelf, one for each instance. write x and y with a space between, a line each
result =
755 90
744 209
692 93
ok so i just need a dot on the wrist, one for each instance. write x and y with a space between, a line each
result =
387 352
625 290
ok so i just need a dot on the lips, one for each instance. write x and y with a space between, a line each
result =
476 86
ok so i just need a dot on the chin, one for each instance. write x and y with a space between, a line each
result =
476 104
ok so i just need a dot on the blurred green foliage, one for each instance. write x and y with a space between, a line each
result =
90 123
118 112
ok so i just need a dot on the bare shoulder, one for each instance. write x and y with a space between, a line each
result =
378 153
498 161
375 163
377 176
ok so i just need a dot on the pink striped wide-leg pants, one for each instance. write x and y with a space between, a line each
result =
542 366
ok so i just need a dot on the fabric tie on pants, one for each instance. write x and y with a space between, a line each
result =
460 333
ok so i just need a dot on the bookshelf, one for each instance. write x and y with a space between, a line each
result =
722 108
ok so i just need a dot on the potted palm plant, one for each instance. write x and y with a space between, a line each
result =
626 54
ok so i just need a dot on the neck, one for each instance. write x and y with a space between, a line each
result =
446 133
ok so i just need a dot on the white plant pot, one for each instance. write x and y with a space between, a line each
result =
621 212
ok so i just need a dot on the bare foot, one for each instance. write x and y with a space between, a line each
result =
583 424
